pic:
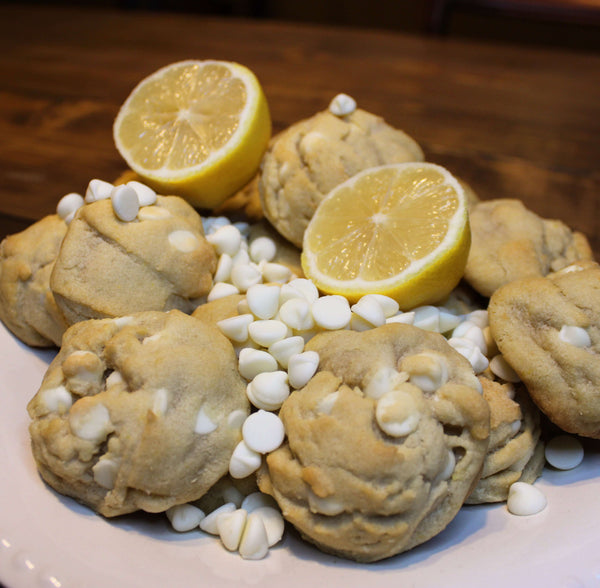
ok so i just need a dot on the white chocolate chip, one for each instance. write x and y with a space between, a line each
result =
255 361
284 349
57 399
262 249
329 505
299 287
448 320
204 424
275 272
327 403
427 371
263 431
331 312
225 239
183 240
125 202
479 318
68 205
404 318
161 402
503 370
105 472
525 499
185 517
359 324
236 327
254 543
267 332
220 290
268 390
564 452
273 522
469 330
245 275
302 367
146 195
383 380
369 310
576 336
209 523
91 423
263 300
397 413
342 105
427 318
469 349
150 213
389 306
224 267
296 314
231 494
244 461
98 190
230 527
256 500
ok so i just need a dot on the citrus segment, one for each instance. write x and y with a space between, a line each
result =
400 230
197 129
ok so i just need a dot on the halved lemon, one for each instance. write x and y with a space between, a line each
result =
197 129
400 230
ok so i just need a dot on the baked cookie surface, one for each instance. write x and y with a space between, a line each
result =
305 161
27 306
548 330
510 242
515 452
383 444
109 268
136 412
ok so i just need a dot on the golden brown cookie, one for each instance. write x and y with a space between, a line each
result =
383 444
515 452
134 412
305 161
548 330
109 268
510 242
27 306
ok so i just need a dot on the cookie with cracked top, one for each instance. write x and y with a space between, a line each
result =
548 330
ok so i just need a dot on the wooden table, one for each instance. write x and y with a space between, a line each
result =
511 121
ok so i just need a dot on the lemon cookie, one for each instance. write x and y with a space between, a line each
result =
305 161
27 306
136 412
516 452
548 330
383 444
158 261
510 242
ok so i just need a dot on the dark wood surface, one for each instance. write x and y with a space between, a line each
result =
511 121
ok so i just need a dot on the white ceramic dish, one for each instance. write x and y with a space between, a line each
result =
47 540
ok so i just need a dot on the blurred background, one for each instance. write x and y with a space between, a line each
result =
571 24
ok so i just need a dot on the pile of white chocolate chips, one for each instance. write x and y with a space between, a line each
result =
278 315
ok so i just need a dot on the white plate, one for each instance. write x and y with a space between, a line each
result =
47 540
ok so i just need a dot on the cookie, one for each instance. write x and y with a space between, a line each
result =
515 452
383 444
27 305
305 161
510 242
548 330
109 268
140 412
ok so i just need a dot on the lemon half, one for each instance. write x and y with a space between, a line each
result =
401 230
197 129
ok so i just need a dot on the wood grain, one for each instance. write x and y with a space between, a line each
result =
511 121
